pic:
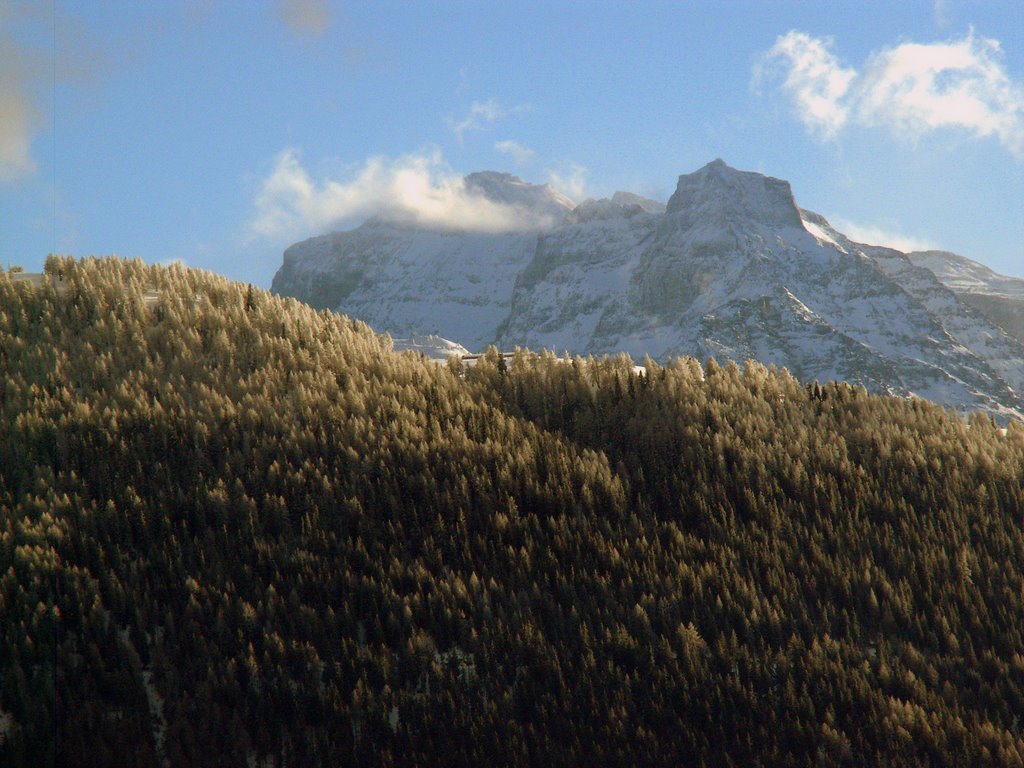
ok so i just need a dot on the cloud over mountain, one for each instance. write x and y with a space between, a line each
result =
416 189
814 80
884 236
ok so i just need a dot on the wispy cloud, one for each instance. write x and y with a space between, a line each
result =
814 79
570 179
416 188
480 115
916 88
27 75
872 235
305 17
520 155
909 89
19 117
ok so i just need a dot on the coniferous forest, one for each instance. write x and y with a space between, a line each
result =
238 531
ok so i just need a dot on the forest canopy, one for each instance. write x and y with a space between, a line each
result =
234 528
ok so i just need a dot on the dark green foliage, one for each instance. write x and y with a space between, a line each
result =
232 527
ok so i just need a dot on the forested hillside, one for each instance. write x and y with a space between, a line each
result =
233 528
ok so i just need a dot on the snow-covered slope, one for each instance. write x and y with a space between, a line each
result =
961 275
405 279
431 346
539 202
998 297
730 267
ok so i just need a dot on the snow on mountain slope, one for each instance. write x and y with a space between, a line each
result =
998 297
732 270
961 275
729 267
570 293
431 346
977 354
405 279
539 201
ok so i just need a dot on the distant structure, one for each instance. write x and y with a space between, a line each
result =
478 355
150 298
36 280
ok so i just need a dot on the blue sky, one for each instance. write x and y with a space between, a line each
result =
218 133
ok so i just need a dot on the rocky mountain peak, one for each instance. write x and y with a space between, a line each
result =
507 189
646 204
720 194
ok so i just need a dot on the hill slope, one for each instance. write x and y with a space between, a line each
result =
234 528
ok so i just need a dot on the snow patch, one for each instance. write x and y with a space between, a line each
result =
821 235
431 346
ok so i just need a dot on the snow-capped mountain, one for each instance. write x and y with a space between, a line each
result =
408 279
731 267
997 297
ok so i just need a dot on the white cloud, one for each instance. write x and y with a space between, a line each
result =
480 113
909 89
417 188
916 88
570 179
305 17
814 80
871 235
520 154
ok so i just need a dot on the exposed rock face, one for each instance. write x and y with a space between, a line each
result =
720 195
730 267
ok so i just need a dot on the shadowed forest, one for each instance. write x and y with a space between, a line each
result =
234 528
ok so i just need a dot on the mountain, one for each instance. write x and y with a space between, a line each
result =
237 531
998 297
731 267
410 280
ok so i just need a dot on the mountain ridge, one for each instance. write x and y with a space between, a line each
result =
730 267
998 297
